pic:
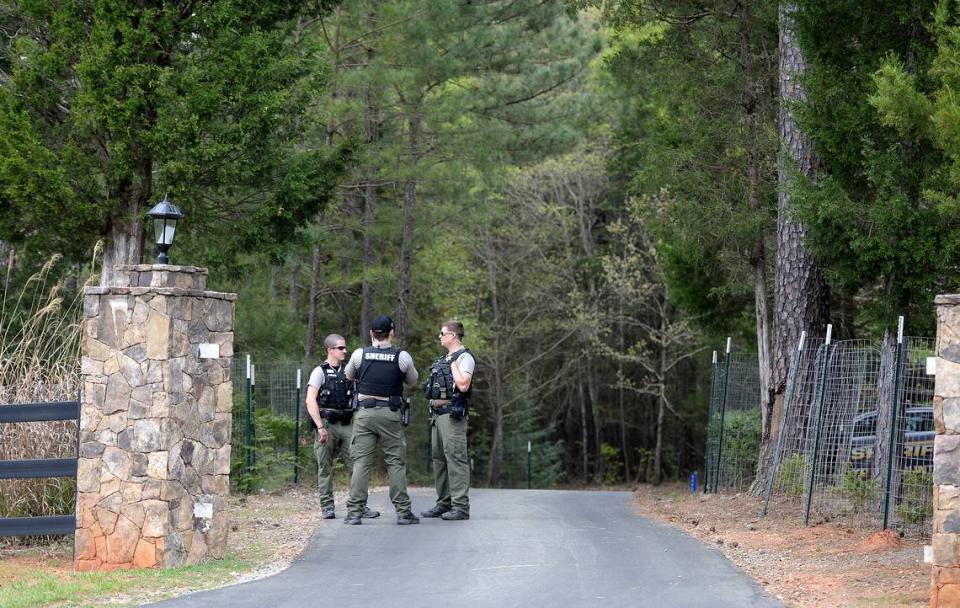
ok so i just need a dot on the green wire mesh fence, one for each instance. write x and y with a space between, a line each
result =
856 442
734 425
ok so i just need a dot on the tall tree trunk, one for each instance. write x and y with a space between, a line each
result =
318 259
9 254
316 272
125 232
371 136
495 461
406 239
661 397
886 409
293 288
583 433
367 292
624 448
752 106
801 295
593 391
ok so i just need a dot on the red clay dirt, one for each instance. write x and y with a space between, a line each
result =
825 566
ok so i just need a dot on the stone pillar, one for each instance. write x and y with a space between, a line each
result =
945 586
153 474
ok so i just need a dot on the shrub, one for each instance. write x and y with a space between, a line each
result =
792 475
916 502
859 488
741 444
611 464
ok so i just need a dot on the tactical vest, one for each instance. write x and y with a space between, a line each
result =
335 392
379 374
440 384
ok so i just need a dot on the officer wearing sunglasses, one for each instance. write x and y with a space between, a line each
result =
328 404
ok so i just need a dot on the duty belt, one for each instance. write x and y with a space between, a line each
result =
336 416
440 410
373 403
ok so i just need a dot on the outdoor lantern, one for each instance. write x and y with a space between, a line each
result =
165 216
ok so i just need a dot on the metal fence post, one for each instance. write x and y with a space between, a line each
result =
529 450
819 409
296 435
246 427
794 365
707 458
723 410
894 407
251 428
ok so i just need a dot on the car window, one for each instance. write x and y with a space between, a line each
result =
919 422
865 426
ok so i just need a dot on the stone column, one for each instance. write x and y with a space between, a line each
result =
945 586
153 474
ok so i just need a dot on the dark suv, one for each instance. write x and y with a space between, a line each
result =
918 439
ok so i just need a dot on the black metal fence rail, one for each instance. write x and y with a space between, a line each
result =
39 468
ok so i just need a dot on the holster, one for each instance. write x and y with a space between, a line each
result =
458 407
337 416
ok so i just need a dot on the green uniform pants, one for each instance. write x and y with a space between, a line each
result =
451 464
338 442
372 426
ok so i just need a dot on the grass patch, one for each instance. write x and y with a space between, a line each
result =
56 585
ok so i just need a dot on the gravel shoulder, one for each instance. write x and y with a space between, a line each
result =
824 566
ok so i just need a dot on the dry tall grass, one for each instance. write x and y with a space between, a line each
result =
39 361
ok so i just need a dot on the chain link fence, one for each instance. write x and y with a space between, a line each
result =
856 441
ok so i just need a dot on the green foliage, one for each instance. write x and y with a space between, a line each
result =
684 139
741 443
792 475
858 487
612 473
103 105
916 505
272 454
873 215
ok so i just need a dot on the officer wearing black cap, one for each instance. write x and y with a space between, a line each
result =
380 372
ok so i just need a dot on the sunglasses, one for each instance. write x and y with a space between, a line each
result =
338 347
445 333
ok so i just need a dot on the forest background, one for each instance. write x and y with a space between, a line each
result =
601 191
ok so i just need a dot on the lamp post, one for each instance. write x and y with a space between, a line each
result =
165 216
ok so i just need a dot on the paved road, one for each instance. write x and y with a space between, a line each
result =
525 548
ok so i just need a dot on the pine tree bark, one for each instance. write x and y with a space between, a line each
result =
316 271
752 106
801 295
406 239
371 136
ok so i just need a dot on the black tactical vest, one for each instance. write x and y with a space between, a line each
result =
379 374
440 384
335 392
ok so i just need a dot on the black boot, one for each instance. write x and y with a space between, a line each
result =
436 511
455 515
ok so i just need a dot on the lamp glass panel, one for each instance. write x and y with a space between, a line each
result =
169 230
158 230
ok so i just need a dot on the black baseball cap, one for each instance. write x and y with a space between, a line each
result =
382 323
